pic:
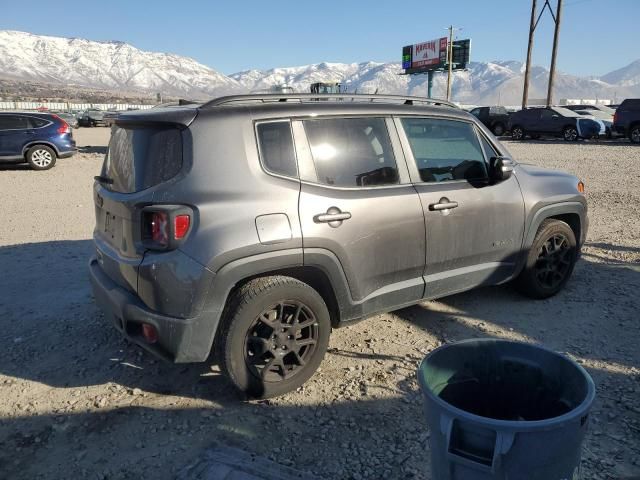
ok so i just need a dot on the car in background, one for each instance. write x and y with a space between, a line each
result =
35 138
626 120
551 121
70 118
91 118
109 117
495 118
603 109
599 116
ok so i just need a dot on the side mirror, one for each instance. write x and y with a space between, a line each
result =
500 168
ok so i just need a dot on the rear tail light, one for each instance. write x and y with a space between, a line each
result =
164 227
64 126
181 226
615 117
159 228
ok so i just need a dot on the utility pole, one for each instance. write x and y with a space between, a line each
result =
552 70
532 28
450 61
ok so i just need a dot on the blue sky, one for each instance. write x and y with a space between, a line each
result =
597 35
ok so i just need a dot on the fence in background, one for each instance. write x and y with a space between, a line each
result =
67 106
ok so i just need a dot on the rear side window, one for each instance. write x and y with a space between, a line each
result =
37 122
445 150
276 148
141 157
352 152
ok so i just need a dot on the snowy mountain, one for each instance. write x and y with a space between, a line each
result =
120 67
481 83
106 65
628 76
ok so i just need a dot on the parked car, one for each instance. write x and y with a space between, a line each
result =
35 138
70 118
605 120
626 120
603 109
254 225
91 118
109 117
494 118
551 121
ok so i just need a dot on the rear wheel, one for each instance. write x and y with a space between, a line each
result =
517 133
273 336
550 260
570 134
634 134
41 157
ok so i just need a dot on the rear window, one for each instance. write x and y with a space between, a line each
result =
141 157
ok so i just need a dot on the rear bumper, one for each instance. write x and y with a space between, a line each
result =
181 340
67 154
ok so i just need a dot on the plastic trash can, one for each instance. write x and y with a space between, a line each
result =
504 410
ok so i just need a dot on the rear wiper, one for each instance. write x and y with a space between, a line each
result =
101 179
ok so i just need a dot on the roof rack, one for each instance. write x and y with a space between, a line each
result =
314 97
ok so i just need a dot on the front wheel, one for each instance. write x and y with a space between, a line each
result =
634 134
550 260
570 134
273 336
498 129
41 157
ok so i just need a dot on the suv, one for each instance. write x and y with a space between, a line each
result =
36 138
495 119
552 121
251 225
626 120
91 118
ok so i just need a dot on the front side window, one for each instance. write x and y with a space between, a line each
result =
352 152
276 148
445 150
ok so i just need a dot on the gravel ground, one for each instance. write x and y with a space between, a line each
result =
79 402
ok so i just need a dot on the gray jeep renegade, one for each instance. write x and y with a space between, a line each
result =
251 226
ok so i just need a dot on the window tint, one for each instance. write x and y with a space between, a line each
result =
489 151
37 122
547 114
352 152
475 112
276 148
445 149
13 122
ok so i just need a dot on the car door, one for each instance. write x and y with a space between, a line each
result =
474 227
357 203
13 132
550 121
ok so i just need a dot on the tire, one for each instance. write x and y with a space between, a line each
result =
634 134
254 335
41 157
550 260
517 133
498 129
570 134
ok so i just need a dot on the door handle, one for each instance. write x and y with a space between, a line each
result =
333 216
443 204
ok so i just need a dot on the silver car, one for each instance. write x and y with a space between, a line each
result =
251 226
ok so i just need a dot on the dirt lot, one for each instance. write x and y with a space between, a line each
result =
76 401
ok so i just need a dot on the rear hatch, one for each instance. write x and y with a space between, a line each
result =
145 151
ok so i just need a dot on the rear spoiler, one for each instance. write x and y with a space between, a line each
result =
182 116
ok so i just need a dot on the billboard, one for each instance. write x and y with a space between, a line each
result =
425 56
461 53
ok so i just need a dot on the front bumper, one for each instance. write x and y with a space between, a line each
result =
181 340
